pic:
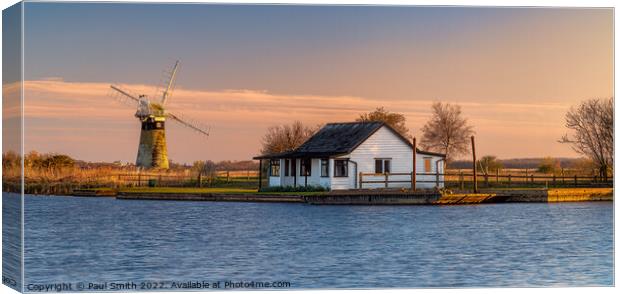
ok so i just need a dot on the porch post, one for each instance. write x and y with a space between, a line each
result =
306 172
294 170
260 174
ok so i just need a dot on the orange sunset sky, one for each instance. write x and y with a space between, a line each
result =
514 71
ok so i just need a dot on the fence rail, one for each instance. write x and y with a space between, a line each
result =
464 180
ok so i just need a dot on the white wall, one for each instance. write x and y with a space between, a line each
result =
384 144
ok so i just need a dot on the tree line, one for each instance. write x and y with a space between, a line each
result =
447 131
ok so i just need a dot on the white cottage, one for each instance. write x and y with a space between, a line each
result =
336 155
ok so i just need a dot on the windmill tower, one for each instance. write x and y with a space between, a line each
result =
152 149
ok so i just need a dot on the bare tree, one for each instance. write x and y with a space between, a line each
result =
394 120
447 131
286 137
489 163
549 165
592 125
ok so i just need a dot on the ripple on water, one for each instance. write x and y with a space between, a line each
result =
70 239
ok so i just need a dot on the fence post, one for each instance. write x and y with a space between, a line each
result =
497 175
509 179
227 176
461 180
554 180
386 179
532 178
361 181
563 178
139 180
199 180
486 180
575 180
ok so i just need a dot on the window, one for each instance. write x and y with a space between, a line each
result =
287 171
275 167
293 167
324 167
306 167
341 168
383 166
427 164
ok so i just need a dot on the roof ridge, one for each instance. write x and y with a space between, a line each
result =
356 122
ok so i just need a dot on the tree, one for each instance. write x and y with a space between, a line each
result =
286 137
395 120
584 166
489 164
549 165
447 131
592 125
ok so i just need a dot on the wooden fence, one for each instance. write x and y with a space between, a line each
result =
164 179
465 180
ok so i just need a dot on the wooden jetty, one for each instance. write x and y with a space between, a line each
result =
391 197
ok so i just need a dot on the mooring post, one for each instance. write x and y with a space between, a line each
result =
473 152
413 171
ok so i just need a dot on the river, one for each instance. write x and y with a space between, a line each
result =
99 240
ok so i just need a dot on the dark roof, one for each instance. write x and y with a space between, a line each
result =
339 139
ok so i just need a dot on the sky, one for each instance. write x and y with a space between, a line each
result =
514 71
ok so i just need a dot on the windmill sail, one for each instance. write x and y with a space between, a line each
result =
152 149
190 123
170 84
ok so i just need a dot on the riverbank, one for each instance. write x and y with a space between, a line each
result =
362 197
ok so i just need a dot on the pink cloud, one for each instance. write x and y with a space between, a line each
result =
59 113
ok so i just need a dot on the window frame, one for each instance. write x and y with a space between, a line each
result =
274 167
346 168
324 162
383 165
305 167
430 164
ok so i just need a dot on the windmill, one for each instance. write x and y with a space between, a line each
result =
152 150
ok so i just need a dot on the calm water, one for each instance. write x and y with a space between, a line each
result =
70 239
